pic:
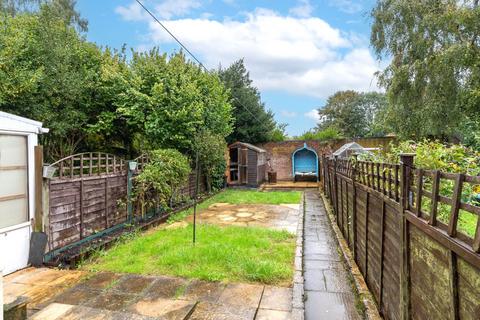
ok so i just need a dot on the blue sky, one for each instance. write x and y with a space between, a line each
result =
298 51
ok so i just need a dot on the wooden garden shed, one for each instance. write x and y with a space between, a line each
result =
246 165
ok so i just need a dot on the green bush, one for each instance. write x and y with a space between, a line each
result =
451 158
323 135
162 178
211 148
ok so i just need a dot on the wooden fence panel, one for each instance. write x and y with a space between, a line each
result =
468 290
80 207
89 194
360 246
417 263
374 250
391 263
430 293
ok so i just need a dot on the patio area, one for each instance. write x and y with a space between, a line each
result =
55 294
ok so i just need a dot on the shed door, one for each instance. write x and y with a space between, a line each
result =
14 217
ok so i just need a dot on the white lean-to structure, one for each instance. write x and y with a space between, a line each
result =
18 138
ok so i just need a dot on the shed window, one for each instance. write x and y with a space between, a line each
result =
13 180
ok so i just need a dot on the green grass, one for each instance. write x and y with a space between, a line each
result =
246 254
242 196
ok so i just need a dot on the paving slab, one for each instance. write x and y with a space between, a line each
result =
330 305
240 294
133 284
101 280
112 300
329 294
211 311
199 290
164 308
265 314
77 295
275 298
166 287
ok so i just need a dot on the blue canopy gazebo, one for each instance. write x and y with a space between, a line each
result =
305 163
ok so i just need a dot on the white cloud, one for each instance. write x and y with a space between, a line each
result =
303 56
288 114
304 9
313 114
132 12
347 6
166 9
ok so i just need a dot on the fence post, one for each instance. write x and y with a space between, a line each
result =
131 167
354 206
335 187
38 188
406 163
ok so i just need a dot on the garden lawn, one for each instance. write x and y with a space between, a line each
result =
245 254
242 196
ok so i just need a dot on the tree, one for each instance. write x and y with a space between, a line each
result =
58 9
353 114
169 100
433 79
321 135
279 133
252 122
49 73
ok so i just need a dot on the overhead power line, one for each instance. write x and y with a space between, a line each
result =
190 53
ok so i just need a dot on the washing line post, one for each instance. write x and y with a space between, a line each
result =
197 180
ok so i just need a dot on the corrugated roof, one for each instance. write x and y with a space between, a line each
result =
247 145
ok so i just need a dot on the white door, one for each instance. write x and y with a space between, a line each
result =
14 202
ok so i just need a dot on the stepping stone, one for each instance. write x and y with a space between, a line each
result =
228 219
219 204
244 214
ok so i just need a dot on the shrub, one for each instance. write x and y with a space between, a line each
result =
162 178
211 148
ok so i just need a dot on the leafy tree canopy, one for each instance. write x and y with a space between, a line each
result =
353 114
252 122
433 79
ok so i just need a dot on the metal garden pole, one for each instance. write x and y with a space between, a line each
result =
197 175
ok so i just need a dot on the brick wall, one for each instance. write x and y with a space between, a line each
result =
280 153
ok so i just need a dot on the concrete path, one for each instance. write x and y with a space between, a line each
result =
328 290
